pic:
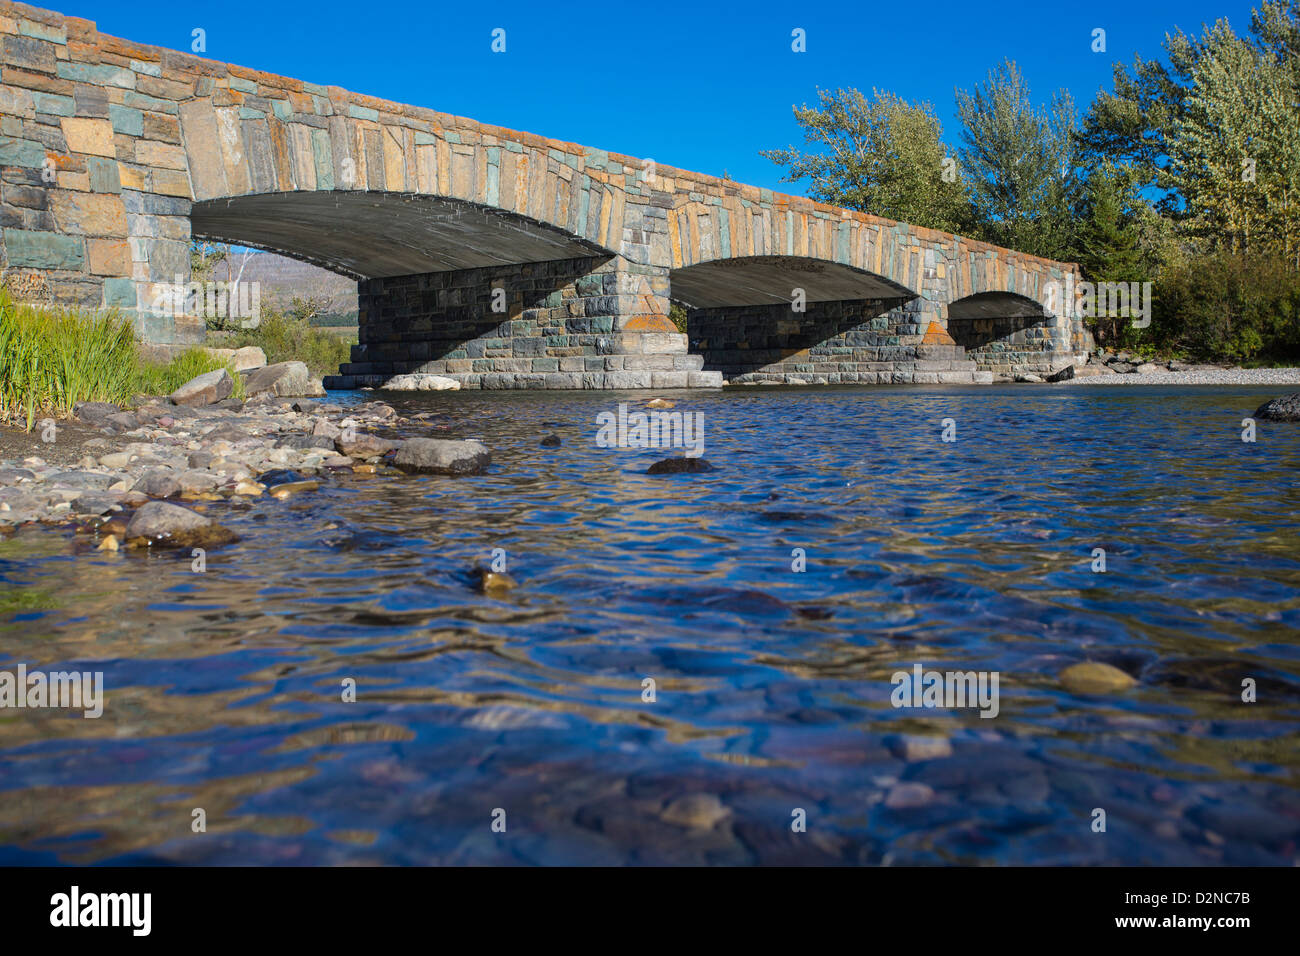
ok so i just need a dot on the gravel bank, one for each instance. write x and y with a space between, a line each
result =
1203 376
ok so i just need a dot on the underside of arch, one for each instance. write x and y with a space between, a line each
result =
369 235
770 280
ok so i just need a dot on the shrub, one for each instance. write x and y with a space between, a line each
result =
1229 307
287 338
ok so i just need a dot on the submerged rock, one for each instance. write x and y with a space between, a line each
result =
674 466
159 524
1094 677
290 488
491 582
551 441
441 456
696 811
1285 408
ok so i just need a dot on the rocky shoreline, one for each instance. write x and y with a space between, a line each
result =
141 476
1122 368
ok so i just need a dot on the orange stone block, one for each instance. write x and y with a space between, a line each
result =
936 334
648 323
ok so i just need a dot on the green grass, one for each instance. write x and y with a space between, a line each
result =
52 358
156 379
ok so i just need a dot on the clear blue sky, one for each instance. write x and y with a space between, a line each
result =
694 85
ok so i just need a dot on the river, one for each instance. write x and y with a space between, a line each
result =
521 726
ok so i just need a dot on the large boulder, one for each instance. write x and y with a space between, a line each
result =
1062 374
442 456
282 378
1283 409
241 360
164 525
421 382
205 389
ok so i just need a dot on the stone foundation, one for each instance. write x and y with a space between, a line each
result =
857 342
572 323
1011 345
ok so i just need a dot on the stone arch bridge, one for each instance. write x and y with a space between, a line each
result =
500 258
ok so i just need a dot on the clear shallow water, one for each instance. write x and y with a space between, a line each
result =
773 687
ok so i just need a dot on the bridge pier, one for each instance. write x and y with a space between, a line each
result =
590 322
853 342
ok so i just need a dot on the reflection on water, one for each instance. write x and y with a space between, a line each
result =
772 688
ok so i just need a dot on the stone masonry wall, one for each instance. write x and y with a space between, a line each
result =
861 342
562 327
1008 346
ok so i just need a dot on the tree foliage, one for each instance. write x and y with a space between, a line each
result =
878 154
1020 161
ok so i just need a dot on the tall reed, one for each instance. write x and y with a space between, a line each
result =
53 358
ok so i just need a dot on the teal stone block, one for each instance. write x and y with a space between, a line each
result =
493 184
21 152
315 89
281 109
243 85
515 147
363 112
120 294
43 31
552 301
104 176
126 120
44 250
99 75
247 112
586 285
54 104
424 139
145 102
452 137
154 327
324 161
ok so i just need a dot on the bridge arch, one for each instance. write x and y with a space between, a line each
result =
1008 333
